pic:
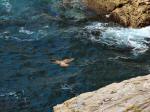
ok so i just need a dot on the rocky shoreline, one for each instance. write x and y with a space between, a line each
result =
130 13
131 95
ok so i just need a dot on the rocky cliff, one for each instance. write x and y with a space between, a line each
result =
134 13
128 96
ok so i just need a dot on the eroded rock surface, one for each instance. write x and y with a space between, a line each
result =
128 96
135 13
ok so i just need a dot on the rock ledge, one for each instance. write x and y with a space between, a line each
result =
132 95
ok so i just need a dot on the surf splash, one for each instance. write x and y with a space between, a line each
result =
6 5
135 40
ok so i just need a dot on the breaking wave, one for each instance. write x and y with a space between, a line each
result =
135 40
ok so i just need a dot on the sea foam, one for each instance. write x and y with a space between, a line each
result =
138 40
6 4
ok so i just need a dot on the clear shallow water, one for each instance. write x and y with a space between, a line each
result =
32 35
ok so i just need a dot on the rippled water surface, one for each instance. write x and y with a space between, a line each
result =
33 33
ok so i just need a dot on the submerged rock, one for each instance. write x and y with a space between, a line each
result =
128 96
134 13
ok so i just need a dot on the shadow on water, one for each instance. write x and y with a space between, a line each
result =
30 82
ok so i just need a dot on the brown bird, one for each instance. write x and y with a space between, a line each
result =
64 63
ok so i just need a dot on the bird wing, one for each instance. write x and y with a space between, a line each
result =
68 60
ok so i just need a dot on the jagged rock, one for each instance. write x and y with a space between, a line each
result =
128 96
134 13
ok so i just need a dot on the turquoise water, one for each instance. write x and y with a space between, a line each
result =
33 33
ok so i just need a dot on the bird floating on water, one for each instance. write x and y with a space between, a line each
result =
64 62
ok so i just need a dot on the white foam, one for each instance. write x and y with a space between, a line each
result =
136 39
23 30
8 94
7 5
26 35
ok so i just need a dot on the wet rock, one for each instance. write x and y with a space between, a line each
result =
134 13
128 96
73 10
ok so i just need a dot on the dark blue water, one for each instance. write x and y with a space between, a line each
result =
33 33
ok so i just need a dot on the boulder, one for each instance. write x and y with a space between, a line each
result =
132 13
132 95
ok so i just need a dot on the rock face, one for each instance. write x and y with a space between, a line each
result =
128 96
134 13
